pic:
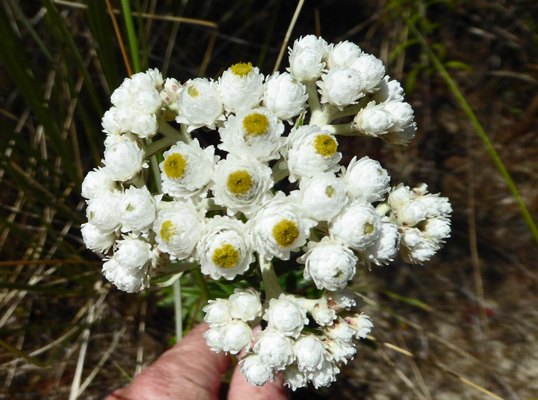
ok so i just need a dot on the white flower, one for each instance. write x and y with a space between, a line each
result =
255 370
170 93
245 304
386 247
145 126
178 229
224 248
286 316
323 315
371 70
147 101
241 185
357 226
102 212
366 179
415 248
311 151
341 87
326 374
340 351
340 330
343 55
412 212
398 196
293 378
213 338
95 239
241 86
307 58
199 104
284 95
112 123
138 209
217 312
280 227
309 352
236 336
437 229
360 323
401 137
133 253
341 300
123 160
436 206
402 115
255 133
96 182
187 169
389 90
330 265
373 120
125 279
274 349
323 196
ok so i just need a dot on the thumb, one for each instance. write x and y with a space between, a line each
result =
187 371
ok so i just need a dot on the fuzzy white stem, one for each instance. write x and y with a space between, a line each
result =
270 281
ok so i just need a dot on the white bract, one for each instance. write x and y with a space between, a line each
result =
199 104
323 196
286 316
307 58
357 226
284 95
137 209
366 179
241 86
341 87
123 160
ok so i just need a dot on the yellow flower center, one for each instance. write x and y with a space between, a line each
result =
325 145
167 230
241 69
368 228
239 182
255 124
174 166
192 91
329 191
226 256
285 233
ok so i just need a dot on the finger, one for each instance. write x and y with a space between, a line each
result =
188 371
240 389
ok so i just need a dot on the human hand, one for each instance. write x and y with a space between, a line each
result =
191 371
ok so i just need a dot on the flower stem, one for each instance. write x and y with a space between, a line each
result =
348 111
341 129
270 281
313 102
280 173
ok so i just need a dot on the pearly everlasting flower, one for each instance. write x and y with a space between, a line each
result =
373 120
274 349
241 86
323 196
170 94
293 378
113 122
398 196
311 151
224 248
307 58
95 239
96 182
343 55
366 179
436 205
357 226
415 248
309 352
340 330
137 209
330 265
323 315
341 300
245 305
389 90
123 160
145 126
214 339
217 312
236 336
371 70
341 87
187 169
102 212
241 185
286 316
340 351
280 227
360 323
385 249
255 370
325 375
255 133
178 228
199 104
126 279
412 212
284 95
436 229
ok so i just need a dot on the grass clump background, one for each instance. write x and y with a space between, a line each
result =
465 325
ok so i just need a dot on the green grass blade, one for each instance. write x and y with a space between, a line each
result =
131 35
460 98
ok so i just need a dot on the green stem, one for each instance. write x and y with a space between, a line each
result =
178 312
348 111
341 129
314 104
131 34
270 281
154 147
200 279
479 130
278 172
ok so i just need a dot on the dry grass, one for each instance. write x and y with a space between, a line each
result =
477 336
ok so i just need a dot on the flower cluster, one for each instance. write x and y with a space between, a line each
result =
217 209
